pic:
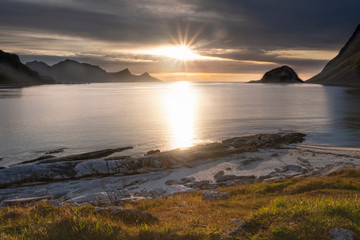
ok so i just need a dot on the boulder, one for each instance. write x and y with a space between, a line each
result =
214 195
33 173
218 174
203 184
341 234
151 152
153 193
182 181
294 168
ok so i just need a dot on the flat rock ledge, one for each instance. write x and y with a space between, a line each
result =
100 179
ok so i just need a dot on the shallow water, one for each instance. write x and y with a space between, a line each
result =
171 115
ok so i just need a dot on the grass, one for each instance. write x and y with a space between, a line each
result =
300 208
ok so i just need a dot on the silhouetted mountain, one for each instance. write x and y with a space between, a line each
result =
344 69
15 74
70 71
282 74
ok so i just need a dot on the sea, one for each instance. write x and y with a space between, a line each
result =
147 116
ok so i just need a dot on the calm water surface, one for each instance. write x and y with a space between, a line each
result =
152 115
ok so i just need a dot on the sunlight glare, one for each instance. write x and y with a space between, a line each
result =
181 112
180 52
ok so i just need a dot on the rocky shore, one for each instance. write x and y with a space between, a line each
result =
104 178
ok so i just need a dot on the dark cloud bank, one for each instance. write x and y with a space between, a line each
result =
237 29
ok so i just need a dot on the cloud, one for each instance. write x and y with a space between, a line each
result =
110 33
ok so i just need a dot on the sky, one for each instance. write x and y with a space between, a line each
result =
199 40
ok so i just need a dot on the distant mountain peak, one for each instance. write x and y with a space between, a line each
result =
145 74
126 70
67 61
36 62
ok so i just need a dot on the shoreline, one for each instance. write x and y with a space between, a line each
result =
100 178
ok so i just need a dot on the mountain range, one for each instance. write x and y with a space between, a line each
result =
70 71
13 73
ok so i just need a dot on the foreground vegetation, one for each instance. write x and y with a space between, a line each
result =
299 208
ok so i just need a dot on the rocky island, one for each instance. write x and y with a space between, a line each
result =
284 74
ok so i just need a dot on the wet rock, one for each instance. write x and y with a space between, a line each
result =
270 175
239 179
153 193
86 156
218 174
294 168
253 142
32 173
151 152
37 159
203 185
251 160
53 151
117 158
294 138
341 234
182 181
187 179
172 182
214 196
105 168
303 161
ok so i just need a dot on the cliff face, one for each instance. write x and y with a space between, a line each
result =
70 71
282 74
15 74
344 69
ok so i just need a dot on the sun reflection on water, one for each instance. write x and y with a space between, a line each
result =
181 114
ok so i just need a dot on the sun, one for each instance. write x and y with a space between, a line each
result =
178 52
181 52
